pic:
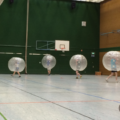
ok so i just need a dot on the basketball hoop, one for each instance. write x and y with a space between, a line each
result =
63 50
62 47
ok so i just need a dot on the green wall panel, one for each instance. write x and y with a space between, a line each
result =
110 49
50 20
13 22
12 31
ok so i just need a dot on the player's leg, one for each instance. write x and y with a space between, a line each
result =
79 74
49 72
19 74
116 74
14 73
109 76
76 74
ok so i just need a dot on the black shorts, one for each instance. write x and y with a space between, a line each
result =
113 71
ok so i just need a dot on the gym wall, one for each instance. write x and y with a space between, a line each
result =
49 20
109 21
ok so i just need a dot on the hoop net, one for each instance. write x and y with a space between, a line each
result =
63 49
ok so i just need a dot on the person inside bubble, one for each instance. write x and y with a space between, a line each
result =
113 62
77 68
16 68
48 66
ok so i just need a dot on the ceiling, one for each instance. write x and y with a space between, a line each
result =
95 1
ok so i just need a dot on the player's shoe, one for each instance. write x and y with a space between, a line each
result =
76 77
80 76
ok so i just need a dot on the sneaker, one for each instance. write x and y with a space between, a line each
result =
76 77
19 76
106 80
81 76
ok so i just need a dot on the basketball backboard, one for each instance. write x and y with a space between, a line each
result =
61 45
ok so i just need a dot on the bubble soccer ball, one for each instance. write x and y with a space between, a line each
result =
16 62
111 61
48 62
78 62
1 1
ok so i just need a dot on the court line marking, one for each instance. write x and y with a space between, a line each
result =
43 83
3 116
66 89
51 102
75 91
58 102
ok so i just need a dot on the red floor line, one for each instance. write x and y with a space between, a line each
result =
60 102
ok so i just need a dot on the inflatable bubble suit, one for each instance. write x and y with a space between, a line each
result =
16 62
78 62
111 61
48 61
1 1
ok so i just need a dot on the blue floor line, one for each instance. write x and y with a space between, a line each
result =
67 90
74 91
13 83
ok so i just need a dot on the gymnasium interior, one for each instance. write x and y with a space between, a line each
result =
30 30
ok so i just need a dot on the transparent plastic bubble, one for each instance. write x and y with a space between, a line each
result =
48 62
78 62
1 1
111 61
16 64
